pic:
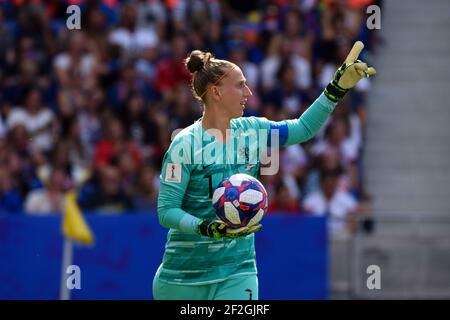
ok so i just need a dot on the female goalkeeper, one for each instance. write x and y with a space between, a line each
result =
203 259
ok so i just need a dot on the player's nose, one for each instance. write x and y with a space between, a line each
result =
248 92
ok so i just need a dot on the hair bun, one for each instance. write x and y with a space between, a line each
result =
197 60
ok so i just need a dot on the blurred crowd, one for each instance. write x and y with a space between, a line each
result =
94 108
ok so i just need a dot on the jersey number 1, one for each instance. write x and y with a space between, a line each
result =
212 180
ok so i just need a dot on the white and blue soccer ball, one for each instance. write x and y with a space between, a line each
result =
240 201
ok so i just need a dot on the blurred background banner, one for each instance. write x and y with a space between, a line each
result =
129 249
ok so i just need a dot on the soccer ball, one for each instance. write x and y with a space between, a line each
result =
240 201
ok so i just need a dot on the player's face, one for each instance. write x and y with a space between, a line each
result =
234 93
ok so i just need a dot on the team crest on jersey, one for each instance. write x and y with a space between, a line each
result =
243 153
173 172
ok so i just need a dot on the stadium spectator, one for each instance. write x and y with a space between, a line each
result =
281 49
338 136
284 201
104 192
338 205
183 110
50 199
128 83
171 71
238 52
146 194
19 139
294 168
75 63
114 143
89 119
10 198
130 36
24 171
286 96
38 120
328 161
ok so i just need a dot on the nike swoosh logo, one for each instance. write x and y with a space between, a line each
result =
206 166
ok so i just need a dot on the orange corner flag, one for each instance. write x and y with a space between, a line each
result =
74 227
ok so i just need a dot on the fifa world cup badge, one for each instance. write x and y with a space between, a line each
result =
173 172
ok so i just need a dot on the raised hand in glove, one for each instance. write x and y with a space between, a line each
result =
348 74
219 230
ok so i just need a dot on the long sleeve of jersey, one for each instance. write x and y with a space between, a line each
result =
174 180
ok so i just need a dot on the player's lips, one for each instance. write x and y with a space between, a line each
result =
243 103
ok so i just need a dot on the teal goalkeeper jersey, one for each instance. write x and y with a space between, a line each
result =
194 165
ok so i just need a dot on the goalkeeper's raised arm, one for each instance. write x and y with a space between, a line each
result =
346 77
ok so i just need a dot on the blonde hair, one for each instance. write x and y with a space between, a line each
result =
206 70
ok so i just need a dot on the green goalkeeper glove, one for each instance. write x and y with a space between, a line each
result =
219 230
348 74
